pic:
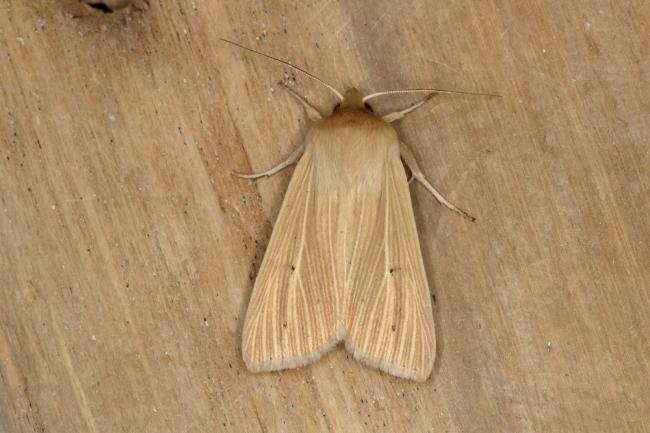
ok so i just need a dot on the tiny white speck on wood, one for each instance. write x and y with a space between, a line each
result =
343 263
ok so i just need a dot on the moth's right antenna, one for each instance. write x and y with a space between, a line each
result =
459 92
313 77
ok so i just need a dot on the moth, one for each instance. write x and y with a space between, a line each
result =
343 263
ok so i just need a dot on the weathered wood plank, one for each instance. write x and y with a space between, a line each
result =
128 250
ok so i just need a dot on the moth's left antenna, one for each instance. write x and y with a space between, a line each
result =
313 77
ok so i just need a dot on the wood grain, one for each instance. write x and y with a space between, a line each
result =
128 250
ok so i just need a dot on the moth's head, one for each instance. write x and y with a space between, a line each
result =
353 99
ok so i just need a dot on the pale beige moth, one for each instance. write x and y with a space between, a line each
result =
343 263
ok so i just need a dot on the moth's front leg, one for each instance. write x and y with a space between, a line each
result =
313 114
391 117
292 159
412 164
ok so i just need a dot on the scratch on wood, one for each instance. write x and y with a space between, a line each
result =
79 393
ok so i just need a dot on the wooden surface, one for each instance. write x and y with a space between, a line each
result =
128 250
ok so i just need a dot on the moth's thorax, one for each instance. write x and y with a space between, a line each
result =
350 148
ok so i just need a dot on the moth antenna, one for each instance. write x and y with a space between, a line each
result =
460 92
313 77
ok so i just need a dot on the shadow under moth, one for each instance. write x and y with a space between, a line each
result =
343 262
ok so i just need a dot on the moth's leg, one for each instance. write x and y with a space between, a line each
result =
292 159
312 112
391 117
416 173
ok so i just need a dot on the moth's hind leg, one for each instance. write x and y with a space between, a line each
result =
292 159
416 173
